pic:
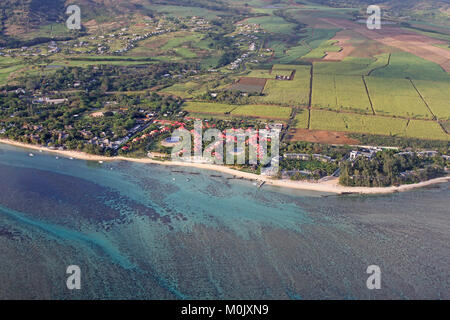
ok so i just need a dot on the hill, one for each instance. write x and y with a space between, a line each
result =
20 17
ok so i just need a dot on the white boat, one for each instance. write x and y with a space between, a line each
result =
31 155
100 162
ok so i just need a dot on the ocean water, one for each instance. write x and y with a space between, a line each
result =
151 232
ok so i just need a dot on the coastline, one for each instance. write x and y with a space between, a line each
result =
330 186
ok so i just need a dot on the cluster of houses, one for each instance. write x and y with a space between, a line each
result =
308 157
46 100
198 24
368 153
237 63
165 126
284 78
247 32
131 42
24 51
107 143
249 28
53 48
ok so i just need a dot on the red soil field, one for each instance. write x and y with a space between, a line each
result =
320 136
347 49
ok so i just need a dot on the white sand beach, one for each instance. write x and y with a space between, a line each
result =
329 186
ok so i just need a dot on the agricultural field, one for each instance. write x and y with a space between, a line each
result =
437 96
321 51
347 122
252 111
301 119
250 85
426 130
403 89
396 97
6 72
269 74
351 94
183 89
273 24
294 49
339 92
294 92
351 65
324 92
281 73
262 111
264 74
177 46
83 61
207 107
350 122
407 65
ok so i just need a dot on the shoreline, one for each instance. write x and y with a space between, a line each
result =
330 186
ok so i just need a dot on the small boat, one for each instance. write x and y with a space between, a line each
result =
31 155
100 162
57 158
173 179
71 158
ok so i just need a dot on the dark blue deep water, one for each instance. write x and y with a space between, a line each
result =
146 232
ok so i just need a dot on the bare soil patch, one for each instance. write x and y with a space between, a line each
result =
320 136
249 85
347 49
156 43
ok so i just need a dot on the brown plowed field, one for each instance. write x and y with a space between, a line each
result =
344 53
249 85
320 136
419 45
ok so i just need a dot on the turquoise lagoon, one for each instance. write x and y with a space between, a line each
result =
142 231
